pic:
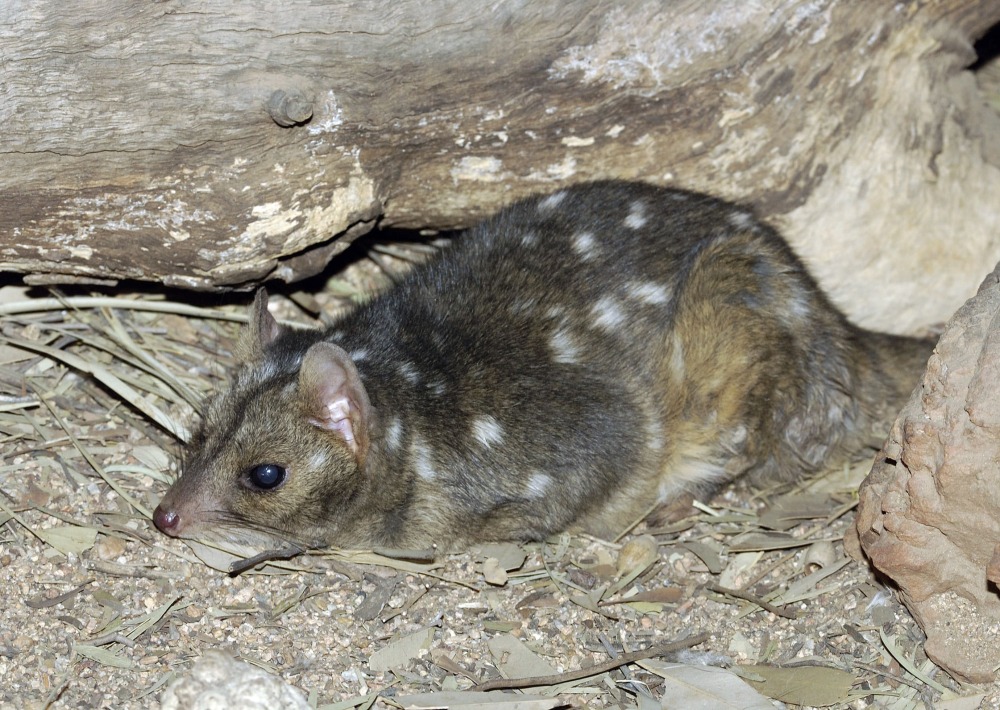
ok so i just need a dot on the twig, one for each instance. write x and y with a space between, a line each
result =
112 638
118 570
624 659
770 568
871 668
747 597
284 553
36 305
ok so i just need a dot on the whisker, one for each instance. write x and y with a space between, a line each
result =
241 525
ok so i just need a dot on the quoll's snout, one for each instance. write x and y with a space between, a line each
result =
167 521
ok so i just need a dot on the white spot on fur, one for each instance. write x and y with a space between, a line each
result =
552 201
529 239
691 472
318 460
799 307
677 358
563 347
538 483
409 372
585 245
636 216
735 438
266 371
436 388
741 219
394 434
359 355
487 430
654 435
608 315
422 459
554 312
649 292
335 335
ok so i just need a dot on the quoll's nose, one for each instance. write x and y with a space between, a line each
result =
167 521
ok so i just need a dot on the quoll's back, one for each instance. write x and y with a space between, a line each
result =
564 365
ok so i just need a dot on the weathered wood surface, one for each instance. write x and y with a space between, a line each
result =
137 142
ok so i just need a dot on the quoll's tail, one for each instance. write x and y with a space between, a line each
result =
886 378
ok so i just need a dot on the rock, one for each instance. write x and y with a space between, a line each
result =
219 681
929 511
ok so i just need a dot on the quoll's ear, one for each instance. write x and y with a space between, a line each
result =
333 396
260 331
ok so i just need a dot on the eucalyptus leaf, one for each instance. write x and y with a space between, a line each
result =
400 652
103 656
69 538
704 688
818 686
516 660
472 700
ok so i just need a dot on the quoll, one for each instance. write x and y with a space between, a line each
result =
566 364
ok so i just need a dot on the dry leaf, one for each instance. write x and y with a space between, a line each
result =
508 555
153 617
893 648
152 456
707 554
540 599
375 600
515 660
219 556
443 660
766 541
472 700
586 601
737 567
69 538
412 565
660 595
494 573
103 656
788 511
818 686
704 688
398 653
741 646
968 702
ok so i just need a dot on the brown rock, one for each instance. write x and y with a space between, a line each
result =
929 512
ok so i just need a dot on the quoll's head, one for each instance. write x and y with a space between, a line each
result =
279 455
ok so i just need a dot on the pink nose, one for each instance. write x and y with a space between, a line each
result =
167 521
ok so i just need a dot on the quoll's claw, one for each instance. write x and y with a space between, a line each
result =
166 521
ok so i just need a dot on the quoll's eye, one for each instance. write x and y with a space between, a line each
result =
267 476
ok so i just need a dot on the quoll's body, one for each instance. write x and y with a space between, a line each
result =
564 365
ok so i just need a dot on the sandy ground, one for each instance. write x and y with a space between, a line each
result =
101 611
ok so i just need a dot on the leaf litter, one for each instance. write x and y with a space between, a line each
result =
97 393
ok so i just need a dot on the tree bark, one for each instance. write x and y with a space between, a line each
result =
215 145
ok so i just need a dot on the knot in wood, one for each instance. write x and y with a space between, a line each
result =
289 108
